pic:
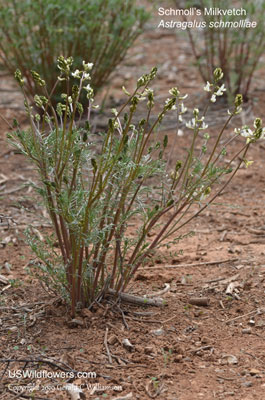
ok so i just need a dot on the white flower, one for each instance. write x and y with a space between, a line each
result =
221 90
86 76
207 87
89 90
174 92
76 74
87 66
249 134
246 132
247 163
213 98
191 124
238 110
183 109
203 126
183 97
87 87
180 118
169 104
125 91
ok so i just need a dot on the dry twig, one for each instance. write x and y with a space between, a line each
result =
106 345
200 264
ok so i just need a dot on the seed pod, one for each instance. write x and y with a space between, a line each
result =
165 142
94 164
85 136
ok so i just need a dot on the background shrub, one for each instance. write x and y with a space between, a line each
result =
236 50
34 32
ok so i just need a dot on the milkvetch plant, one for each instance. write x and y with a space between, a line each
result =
93 195
34 32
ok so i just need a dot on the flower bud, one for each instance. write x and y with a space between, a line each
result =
238 100
111 125
134 103
19 78
170 202
94 164
196 112
178 165
258 133
59 109
142 122
80 108
153 73
75 91
207 191
37 79
257 123
218 74
174 92
38 101
64 64
142 81
169 104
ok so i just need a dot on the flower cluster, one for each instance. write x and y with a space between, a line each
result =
196 122
252 135
146 78
201 193
19 78
37 79
176 102
218 90
64 65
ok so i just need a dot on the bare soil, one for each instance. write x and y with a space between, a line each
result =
180 351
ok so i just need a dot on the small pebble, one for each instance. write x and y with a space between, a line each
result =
178 358
247 384
158 332
149 350
246 330
254 372
127 345
112 339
